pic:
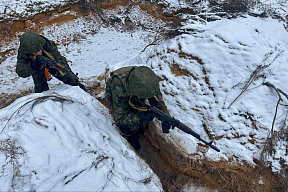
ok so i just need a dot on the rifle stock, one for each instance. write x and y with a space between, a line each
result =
175 123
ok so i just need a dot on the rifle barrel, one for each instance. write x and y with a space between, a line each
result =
181 126
175 123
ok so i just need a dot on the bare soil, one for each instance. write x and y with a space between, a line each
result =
221 175
7 99
171 178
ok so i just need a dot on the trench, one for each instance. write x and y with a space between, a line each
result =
180 171
175 168
171 179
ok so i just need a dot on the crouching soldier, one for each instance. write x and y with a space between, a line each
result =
126 83
39 57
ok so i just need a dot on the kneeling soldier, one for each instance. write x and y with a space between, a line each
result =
39 57
126 83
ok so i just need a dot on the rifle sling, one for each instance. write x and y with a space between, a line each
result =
141 108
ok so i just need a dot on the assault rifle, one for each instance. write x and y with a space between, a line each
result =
172 121
51 64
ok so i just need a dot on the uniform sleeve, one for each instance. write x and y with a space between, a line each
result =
159 103
23 68
120 107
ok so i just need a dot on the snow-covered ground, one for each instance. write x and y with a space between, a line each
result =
88 57
20 8
67 146
221 60
218 63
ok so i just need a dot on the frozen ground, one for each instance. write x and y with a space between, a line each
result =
20 8
24 8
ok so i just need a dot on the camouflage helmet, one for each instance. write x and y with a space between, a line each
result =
31 42
143 83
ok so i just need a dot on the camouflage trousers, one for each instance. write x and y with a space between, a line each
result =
40 82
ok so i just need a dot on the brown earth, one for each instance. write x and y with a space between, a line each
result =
221 175
70 12
35 23
7 99
173 165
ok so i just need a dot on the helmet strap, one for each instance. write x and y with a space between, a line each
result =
140 108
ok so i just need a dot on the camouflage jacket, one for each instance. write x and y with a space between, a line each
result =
23 68
118 99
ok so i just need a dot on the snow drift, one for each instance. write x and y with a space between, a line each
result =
64 140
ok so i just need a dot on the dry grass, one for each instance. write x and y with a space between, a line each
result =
36 101
7 99
13 153
279 138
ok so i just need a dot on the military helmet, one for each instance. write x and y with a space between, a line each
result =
31 42
143 83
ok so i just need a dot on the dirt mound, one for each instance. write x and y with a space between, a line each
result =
34 23
222 175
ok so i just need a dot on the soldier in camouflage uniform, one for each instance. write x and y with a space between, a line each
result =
34 47
140 82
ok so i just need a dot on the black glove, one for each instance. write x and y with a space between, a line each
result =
134 142
52 71
42 61
82 87
146 115
165 126
47 61
38 63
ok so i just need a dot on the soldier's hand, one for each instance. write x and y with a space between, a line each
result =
165 126
145 115
38 63
48 63
52 71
